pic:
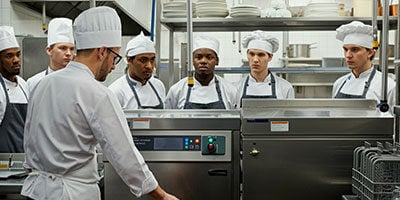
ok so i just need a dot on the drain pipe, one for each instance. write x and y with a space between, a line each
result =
153 11
396 136
92 3
44 25
383 105
190 43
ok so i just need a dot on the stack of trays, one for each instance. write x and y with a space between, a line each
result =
321 10
245 11
212 8
177 9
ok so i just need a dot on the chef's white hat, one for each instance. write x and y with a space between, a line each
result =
262 41
140 44
355 33
97 27
60 30
7 38
207 42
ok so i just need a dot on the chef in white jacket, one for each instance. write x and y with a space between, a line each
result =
71 112
13 94
60 48
364 81
261 83
209 91
138 88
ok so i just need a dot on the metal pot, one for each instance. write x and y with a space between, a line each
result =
299 50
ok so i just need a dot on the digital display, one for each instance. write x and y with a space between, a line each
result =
168 143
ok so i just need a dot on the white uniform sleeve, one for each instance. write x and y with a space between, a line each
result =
171 101
110 128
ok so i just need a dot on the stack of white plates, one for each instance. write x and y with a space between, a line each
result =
177 9
245 11
321 10
212 8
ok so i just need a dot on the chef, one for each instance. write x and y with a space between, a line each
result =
209 91
364 81
261 83
14 94
71 112
60 48
138 89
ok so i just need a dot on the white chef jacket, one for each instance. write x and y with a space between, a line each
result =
176 96
355 86
34 80
284 90
69 114
147 97
15 94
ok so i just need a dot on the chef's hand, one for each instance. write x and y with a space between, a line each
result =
160 194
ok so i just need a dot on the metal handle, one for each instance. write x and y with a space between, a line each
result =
254 152
218 172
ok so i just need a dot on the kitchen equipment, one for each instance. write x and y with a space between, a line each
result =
390 51
375 171
299 50
292 147
333 62
194 154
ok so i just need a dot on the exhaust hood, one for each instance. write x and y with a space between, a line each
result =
71 9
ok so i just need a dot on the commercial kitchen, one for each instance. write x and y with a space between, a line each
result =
310 147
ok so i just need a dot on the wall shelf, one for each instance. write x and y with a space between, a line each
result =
267 24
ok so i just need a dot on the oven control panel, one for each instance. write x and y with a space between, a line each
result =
184 145
167 143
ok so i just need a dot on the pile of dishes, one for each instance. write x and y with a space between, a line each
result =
177 9
321 10
245 11
212 8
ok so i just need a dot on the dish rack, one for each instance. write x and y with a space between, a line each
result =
376 171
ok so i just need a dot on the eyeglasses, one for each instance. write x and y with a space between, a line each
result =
117 58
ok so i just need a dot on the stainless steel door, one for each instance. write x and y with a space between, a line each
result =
288 168
194 181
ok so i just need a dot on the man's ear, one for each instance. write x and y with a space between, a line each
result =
102 53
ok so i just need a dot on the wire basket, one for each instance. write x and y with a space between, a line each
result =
376 171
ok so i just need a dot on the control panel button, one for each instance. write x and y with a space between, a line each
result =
211 147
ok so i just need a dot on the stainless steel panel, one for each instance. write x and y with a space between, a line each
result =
34 56
320 126
186 119
185 180
299 168
187 156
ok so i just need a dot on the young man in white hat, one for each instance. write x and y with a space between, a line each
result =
364 81
60 48
138 89
209 91
71 112
14 94
261 83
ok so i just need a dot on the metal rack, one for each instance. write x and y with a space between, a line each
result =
249 24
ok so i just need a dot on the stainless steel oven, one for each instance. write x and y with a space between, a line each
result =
194 154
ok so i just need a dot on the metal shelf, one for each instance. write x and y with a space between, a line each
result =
278 70
267 24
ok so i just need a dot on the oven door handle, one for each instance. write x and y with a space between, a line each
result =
218 172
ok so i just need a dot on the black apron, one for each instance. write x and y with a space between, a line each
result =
213 105
132 86
12 126
340 95
273 89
